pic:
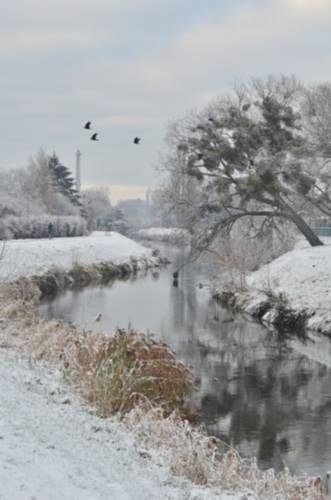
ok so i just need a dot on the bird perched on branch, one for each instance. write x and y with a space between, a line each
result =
136 140
88 125
94 137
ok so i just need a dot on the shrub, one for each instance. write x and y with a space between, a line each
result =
116 373
37 226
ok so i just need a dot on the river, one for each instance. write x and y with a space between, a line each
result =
266 394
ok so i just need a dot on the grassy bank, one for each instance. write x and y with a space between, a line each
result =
138 380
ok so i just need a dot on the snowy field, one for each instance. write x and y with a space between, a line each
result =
52 448
304 277
36 256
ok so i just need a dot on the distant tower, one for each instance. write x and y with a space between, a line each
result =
148 196
78 155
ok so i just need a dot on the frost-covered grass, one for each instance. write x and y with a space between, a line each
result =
116 373
51 448
148 369
130 376
189 452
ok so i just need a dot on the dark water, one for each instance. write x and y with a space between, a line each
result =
267 395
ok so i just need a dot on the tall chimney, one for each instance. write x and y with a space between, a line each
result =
78 155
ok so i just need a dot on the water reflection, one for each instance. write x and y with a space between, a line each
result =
265 394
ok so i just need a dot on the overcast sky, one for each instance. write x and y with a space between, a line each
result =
131 66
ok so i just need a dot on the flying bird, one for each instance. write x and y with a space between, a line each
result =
136 140
88 125
94 137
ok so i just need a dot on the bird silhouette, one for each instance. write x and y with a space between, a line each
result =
94 137
136 140
88 125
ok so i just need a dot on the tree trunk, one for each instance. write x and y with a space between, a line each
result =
300 223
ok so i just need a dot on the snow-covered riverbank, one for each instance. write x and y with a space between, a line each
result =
297 284
54 446
37 256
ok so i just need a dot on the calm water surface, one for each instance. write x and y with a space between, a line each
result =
267 395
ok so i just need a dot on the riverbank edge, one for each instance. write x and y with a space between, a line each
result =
270 309
81 275
33 288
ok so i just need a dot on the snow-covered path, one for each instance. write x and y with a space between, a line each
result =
54 450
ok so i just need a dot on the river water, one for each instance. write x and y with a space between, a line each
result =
268 395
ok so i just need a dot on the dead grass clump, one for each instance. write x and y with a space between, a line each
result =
49 340
84 275
190 453
19 299
115 373
107 271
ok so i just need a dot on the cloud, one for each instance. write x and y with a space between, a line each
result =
124 120
23 44
266 37
130 66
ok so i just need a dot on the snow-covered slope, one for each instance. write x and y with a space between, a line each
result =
304 277
52 449
36 256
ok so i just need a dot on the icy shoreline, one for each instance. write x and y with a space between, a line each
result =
291 292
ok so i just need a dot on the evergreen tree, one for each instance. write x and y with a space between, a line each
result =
63 180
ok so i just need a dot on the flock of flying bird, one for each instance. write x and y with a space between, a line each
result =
94 137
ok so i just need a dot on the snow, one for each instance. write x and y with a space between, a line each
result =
163 234
303 276
36 256
51 447
51 444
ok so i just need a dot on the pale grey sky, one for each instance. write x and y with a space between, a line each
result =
131 66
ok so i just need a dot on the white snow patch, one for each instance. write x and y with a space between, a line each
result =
36 256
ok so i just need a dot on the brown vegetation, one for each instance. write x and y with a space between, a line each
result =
139 379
